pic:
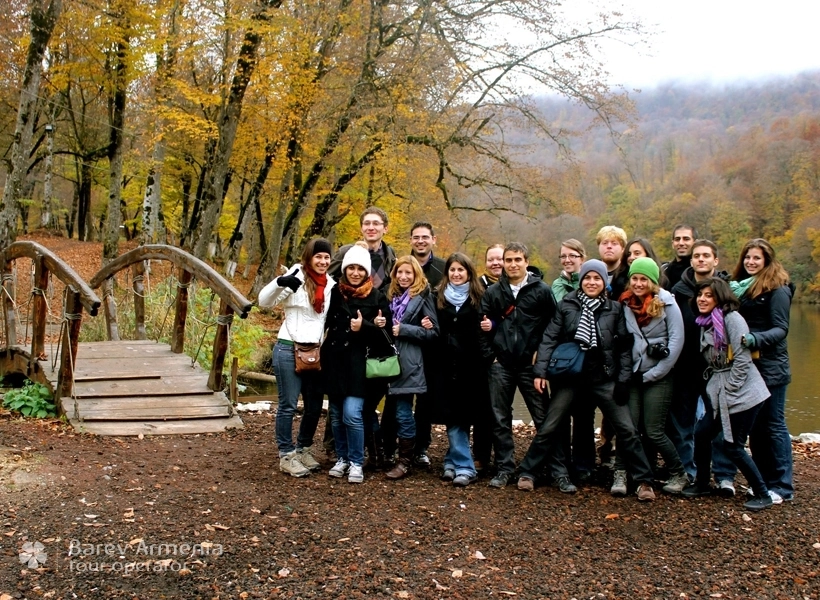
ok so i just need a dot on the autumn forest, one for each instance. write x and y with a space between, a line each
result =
238 130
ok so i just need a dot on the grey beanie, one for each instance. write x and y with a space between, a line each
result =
596 265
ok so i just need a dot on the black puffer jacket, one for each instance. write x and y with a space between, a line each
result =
518 323
768 318
613 358
690 364
344 351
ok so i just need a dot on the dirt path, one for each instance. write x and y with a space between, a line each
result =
242 530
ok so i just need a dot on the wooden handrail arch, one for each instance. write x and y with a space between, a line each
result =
231 301
79 295
198 268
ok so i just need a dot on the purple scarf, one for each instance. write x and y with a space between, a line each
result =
715 320
398 305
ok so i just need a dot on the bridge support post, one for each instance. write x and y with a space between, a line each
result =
38 330
223 327
181 312
9 315
138 278
68 345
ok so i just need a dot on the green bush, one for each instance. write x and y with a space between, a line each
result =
31 400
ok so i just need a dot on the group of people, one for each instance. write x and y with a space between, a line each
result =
684 361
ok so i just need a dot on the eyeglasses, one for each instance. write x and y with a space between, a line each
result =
568 256
371 223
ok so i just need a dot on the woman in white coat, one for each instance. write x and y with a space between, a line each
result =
304 293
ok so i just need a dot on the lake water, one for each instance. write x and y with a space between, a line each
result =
802 395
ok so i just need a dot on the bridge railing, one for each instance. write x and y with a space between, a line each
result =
79 296
231 301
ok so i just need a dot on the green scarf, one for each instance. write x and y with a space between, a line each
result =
741 287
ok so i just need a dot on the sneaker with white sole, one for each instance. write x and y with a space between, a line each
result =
619 484
355 474
290 464
676 484
726 488
306 458
776 498
339 469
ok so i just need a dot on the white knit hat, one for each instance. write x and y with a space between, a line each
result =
357 256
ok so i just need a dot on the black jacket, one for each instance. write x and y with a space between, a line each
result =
459 391
344 350
690 365
612 361
674 270
768 318
518 323
434 271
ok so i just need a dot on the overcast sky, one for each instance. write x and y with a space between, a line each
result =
716 40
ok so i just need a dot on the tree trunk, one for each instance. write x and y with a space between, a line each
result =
116 107
228 124
43 19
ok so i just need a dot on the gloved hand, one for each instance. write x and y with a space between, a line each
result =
289 281
749 341
621 393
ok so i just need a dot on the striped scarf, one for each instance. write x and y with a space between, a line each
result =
585 334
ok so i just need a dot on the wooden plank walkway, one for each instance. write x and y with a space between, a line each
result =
141 387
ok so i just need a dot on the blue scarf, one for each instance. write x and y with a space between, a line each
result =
398 305
457 295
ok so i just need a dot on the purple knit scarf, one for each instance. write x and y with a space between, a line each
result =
398 305
715 320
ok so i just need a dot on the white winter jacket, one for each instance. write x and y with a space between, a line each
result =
302 324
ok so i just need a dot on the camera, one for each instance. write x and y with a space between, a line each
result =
659 351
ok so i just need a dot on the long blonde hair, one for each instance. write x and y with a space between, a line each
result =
419 281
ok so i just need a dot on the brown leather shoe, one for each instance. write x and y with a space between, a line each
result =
401 469
645 493
525 484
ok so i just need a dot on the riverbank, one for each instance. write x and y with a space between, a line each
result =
241 529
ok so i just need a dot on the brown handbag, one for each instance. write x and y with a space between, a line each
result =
307 357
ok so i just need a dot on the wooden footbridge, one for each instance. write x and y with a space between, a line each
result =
118 387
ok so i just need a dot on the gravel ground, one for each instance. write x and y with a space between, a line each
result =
241 529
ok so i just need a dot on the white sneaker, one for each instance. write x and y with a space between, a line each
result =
676 484
619 484
306 458
726 488
291 465
776 498
356 474
339 469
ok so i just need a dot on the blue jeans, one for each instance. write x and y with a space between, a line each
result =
402 411
290 385
348 428
771 444
681 424
458 457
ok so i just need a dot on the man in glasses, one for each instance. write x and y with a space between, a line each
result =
382 257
